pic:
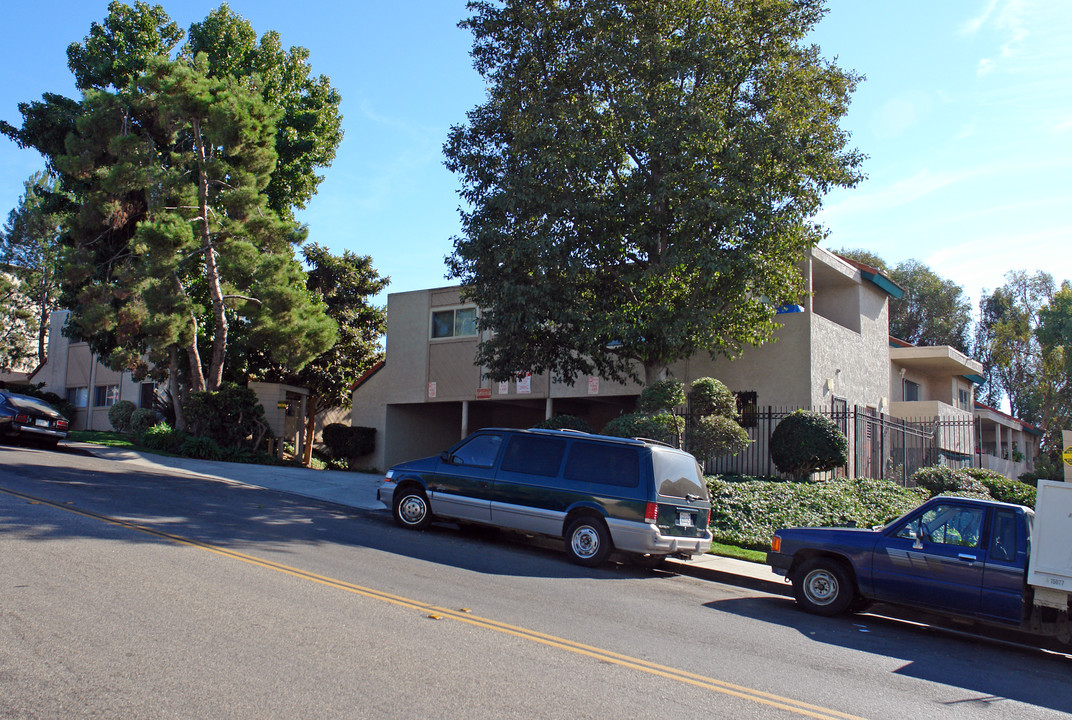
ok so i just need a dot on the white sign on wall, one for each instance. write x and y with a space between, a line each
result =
431 390
504 388
593 385
524 384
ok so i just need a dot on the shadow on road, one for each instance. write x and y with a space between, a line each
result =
930 653
252 519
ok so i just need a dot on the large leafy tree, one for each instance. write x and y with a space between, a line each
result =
346 285
933 310
1054 334
171 161
30 247
19 323
1006 338
639 181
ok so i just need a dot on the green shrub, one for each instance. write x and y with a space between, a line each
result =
942 480
142 419
344 441
228 416
1002 488
746 512
119 415
564 422
715 435
663 427
202 448
162 437
805 442
708 396
661 396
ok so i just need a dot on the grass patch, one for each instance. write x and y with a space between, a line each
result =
739 553
100 437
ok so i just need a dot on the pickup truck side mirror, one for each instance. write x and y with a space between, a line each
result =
918 538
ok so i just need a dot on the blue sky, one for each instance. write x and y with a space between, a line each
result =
966 116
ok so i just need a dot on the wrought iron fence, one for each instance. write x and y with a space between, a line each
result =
880 446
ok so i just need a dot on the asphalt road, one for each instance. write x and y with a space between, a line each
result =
159 595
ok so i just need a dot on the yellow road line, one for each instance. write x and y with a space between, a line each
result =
700 681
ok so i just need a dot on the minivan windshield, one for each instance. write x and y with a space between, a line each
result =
677 474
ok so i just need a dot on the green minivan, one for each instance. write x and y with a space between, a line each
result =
599 493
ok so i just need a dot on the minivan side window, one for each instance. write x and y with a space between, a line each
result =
479 451
603 464
534 455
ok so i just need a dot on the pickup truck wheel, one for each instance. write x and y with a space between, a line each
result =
411 508
823 587
588 541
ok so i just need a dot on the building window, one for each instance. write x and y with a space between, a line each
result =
911 391
78 396
455 322
965 400
747 407
105 395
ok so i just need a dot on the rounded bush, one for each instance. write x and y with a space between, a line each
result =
200 447
805 442
716 435
142 419
564 422
661 396
663 427
119 415
708 396
941 480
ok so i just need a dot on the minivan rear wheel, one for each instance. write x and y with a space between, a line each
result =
411 508
588 541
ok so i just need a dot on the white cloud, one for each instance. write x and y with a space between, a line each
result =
972 26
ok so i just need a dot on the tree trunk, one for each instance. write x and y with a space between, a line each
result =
311 409
173 388
653 373
212 274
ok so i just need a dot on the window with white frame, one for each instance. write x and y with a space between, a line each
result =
105 395
454 322
78 396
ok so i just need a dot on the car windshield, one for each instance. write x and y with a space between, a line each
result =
677 474
25 402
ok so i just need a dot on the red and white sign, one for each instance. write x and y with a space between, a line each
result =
504 388
524 384
593 385
483 393
431 389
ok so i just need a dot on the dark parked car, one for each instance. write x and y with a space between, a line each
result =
22 416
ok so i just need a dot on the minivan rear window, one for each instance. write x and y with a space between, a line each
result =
603 464
534 455
677 474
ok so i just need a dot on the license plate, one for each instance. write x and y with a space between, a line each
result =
684 519
41 423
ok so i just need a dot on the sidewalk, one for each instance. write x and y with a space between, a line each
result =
358 490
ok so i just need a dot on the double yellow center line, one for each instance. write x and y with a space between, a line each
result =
433 611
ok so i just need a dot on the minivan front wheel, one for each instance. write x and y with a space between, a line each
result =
588 541
411 508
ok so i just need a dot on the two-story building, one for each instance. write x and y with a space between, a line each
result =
830 352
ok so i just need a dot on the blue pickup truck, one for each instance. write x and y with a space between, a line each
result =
980 559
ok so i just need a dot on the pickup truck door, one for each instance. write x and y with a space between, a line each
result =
933 559
1003 579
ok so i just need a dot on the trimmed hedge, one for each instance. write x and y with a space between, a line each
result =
564 422
664 427
344 441
746 512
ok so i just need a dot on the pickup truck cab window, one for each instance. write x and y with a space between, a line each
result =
946 525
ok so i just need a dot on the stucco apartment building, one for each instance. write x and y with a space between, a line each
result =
834 351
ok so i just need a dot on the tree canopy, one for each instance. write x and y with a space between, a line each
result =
30 248
639 183
185 167
933 310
